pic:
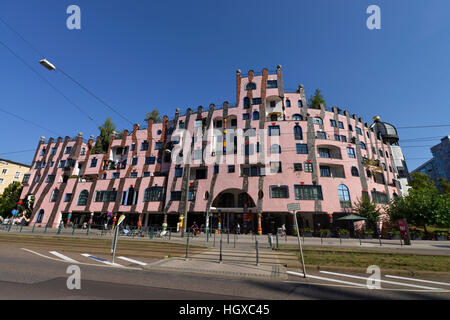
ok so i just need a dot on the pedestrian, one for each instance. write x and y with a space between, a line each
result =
238 228
283 230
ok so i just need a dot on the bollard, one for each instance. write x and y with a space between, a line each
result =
103 229
34 225
401 243
59 229
170 234
235 240
340 239
360 240
21 226
187 247
207 235
321 240
269 238
73 229
214 244
87 231
45 230
228 241
10 225
379 239
152 231
257 253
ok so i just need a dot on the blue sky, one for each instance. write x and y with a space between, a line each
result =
139 55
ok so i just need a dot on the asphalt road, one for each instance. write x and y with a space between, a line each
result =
29 276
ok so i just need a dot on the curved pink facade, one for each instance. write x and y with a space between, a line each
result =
252 195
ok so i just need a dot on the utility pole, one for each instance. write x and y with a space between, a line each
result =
186 198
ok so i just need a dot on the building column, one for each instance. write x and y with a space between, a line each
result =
259 223
146 220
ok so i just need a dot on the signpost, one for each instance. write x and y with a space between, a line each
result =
116 235
295 207
404 231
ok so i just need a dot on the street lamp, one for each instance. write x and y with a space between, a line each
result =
47 64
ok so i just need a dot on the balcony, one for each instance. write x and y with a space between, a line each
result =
331 170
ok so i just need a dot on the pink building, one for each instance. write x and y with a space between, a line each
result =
242 164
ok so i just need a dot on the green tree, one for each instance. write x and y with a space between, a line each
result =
106 131
316 100
423 206
368 209
9 199
443 186
153 115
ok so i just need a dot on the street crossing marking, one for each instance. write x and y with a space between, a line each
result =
327 279
133 261
59 255
87 255
385 281
418 280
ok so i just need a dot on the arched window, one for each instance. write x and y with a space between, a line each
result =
40 216
288 103
246 102
363 145
344 196
317 120
255 115
54 195
298 133
355 172
250 86
297 117
82 198
275 148
300 103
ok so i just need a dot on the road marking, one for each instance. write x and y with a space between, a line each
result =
133 261
59 255
385 281
418 280
87 255
327 279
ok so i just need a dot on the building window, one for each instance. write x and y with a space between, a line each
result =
62 163
201 173
40 216
53 152
274 130
297 167
337 137
256 101
324 153
300 103
17 175
387 154
317 120
197 154
37 178
26 177
231 169
297 117
355 172
83 198
234 122
106 196
333 123
37 166
116 175
321 135
288 103
175 195
275 167
363 145
68 150
344 196
154 194
325 171
216 169
178 172
308 192
245 116
301 148
379 197
54 195
250 86
275 149
350 128
1 180
358 130
271 84
158 146
380 152
146 174
144 146
50 178
68 197
246 102
279 191
134 161
308 167
343 138
351 152
255 115
94 163
42 152
133 147
341 124
298 133
133 174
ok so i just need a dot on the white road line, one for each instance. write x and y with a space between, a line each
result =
59 255
133 261
385 281
87 255
418 280
327 279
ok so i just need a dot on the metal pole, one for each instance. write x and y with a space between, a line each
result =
45 230
116 233
34 225
300 245
228 239
187 248
170 233
214 239
277 242
186 199
257 253
235 240
220 261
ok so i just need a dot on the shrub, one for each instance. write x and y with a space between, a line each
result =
343 232
368 232
307 230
